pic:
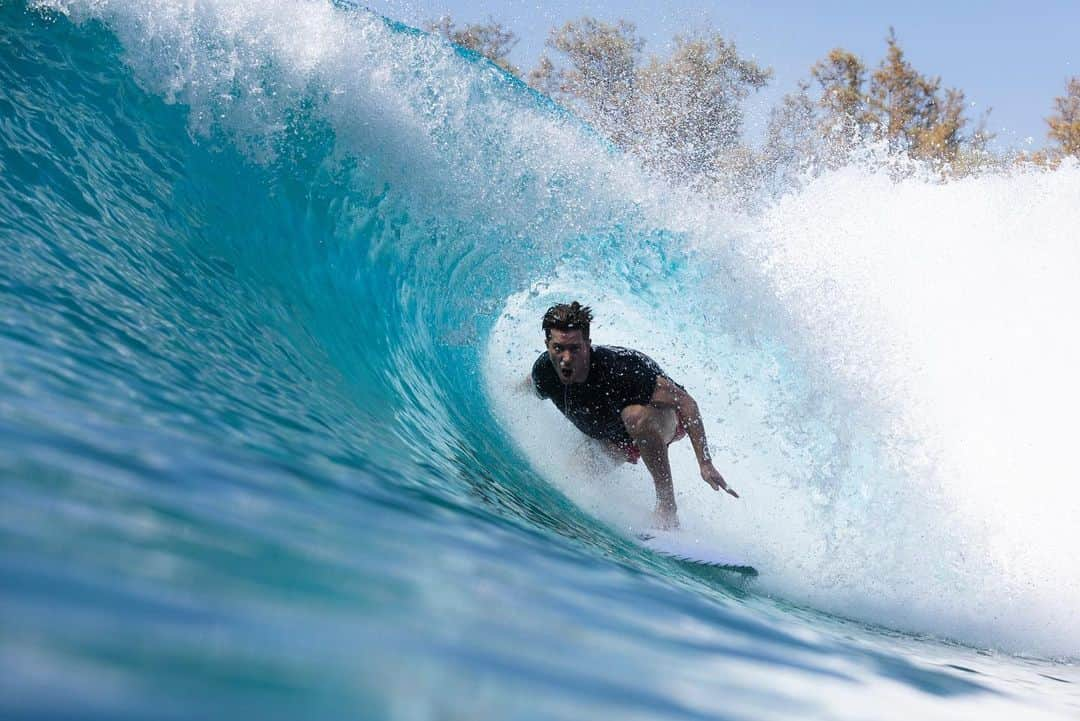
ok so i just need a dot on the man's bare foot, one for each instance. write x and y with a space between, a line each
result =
666 520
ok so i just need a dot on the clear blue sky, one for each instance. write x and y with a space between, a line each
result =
1013 57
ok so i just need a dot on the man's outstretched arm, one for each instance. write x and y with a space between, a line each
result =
670 395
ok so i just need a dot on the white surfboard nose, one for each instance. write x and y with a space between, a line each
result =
681 547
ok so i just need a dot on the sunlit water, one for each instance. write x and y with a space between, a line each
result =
270 273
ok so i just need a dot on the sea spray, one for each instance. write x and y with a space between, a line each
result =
884 371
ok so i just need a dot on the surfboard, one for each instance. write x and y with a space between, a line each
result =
688 549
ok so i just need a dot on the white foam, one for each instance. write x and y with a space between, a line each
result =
887 373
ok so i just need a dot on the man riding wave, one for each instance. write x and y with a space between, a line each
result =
623 398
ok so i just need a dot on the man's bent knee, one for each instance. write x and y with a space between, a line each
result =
645 423
634 418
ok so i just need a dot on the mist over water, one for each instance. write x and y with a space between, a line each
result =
272 272
883 367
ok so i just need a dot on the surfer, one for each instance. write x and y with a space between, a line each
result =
621 397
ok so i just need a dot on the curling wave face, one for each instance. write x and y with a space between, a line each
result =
270 271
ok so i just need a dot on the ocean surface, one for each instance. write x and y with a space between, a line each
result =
270 276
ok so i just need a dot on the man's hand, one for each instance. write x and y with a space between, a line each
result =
712 476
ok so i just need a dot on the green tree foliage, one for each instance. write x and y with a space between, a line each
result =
895 103
805 131
599 76
490 39
681 113
841 75
1065 122
792 138
911 108
692 101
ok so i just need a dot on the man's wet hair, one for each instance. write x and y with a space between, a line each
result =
566 317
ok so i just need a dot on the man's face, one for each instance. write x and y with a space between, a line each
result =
569 353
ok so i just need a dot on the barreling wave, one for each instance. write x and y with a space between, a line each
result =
267 256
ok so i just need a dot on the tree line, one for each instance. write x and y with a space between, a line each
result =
682 114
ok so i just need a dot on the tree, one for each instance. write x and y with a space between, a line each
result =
545 78
681 113
601 75
910 109
898 104
792 137
490 39
691 101
841 76
1065 123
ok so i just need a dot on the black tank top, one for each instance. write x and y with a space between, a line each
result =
618 377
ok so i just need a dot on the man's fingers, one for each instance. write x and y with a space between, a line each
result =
732 492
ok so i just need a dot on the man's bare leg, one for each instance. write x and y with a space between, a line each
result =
651 429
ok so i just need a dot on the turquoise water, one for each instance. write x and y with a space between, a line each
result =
267 274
